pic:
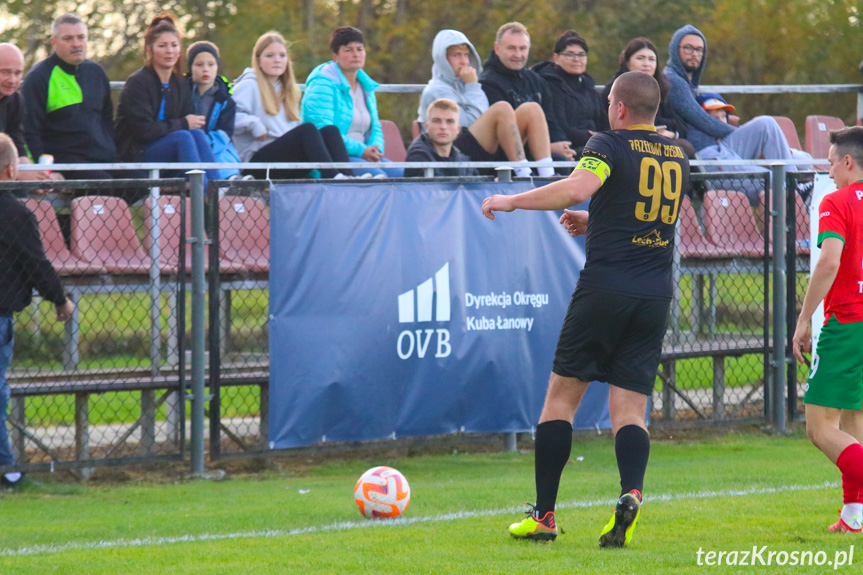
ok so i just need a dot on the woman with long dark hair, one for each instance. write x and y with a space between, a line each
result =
641 55
156 120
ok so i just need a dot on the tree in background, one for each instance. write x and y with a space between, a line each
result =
750 41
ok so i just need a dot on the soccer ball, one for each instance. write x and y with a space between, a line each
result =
382 492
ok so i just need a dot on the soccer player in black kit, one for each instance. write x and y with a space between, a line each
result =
617 318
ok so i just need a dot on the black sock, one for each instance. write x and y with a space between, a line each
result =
553 444
632 447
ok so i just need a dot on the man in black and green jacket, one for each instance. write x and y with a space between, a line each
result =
69 113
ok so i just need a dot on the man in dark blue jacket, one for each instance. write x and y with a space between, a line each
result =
436 144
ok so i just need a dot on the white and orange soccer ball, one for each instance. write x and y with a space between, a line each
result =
382 492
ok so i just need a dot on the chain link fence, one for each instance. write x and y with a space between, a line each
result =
105 387
238 224
109 386
715 361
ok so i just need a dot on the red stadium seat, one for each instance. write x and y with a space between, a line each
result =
790 131
102 233
52 240
693 244
244 228
169 237
729 222
817 133
394 146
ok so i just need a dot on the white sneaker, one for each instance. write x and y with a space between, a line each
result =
248 177
381 177
366 176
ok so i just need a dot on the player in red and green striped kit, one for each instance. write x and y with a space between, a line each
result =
834 395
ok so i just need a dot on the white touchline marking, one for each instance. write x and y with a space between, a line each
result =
346 525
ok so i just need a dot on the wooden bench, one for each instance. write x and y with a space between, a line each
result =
155 390
717 347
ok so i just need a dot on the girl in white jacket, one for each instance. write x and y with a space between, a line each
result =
268 127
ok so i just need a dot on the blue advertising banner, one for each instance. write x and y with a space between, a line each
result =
399 310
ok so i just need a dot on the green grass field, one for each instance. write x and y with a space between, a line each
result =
719 494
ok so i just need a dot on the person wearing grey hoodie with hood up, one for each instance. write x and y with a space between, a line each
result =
761 137
489 132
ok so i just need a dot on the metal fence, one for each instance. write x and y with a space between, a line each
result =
106 387
110 387
715 357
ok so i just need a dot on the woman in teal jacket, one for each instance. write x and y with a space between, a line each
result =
340 93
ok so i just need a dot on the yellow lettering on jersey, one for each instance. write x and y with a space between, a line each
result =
594 166
653 240
672 151
646 147
656 149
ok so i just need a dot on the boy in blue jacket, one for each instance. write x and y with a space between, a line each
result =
211 95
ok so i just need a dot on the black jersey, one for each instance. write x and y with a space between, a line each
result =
630 232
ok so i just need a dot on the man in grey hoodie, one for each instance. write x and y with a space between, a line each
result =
488 133
759 138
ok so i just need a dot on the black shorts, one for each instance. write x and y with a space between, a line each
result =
467 143
612 338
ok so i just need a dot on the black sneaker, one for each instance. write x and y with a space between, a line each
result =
618 532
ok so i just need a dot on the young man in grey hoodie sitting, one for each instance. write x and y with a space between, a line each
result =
488 133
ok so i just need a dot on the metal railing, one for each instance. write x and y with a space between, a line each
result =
727 89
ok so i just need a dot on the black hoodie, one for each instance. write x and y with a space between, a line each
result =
11 121
576 104
23 265
518 87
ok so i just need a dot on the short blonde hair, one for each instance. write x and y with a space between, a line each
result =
511 27
444 104
465 45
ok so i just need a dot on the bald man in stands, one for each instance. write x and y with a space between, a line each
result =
12 108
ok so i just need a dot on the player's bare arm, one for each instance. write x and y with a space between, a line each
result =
575 189
822 279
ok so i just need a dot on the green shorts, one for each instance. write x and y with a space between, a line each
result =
836 378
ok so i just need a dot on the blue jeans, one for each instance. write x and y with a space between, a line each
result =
186 146
7 342
371 168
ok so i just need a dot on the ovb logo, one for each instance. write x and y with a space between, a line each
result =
430 298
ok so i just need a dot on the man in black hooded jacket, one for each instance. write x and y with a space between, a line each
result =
505 77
